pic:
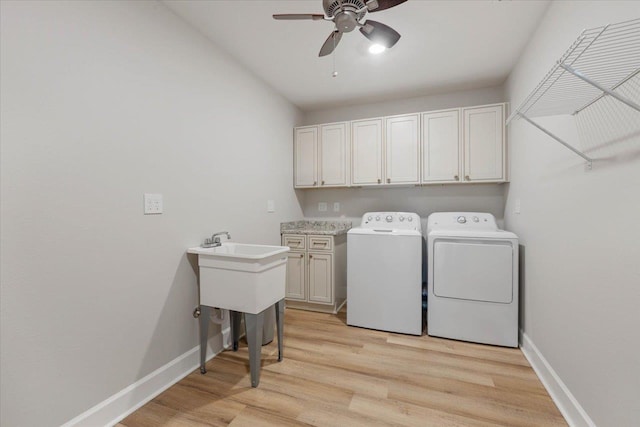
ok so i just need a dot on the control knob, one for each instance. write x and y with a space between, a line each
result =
401 218
377 218
410 219
475 219
462 219
389 218
369 218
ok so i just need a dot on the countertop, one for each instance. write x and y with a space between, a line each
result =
331 228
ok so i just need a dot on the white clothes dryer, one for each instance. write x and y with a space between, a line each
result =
384 273
472 279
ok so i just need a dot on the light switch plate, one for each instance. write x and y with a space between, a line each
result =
516 208
322 207
152 203
336 206
271 206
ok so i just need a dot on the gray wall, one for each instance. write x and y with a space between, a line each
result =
423 200
102 102
580 230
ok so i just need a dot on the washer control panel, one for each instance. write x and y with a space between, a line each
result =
391 220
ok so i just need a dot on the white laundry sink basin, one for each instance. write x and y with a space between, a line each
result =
241 277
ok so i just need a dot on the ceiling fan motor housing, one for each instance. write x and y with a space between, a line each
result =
336 7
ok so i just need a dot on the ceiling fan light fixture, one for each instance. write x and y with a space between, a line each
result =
376 49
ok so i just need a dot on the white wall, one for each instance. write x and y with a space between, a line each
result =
423 200
441 101
101 102
580 231
354 202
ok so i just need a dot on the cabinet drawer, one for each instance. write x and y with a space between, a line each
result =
294 241
320 243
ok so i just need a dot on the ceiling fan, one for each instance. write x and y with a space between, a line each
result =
346 15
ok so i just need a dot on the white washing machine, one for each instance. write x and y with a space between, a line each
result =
472 279
384 273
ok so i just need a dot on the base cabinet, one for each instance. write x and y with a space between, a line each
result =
296 274
316 272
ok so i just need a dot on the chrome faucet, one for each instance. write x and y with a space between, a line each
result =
214 241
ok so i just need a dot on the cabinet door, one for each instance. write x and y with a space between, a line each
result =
441 146
403 150
333 155
366 143
484 143
305 149
296 274
320 278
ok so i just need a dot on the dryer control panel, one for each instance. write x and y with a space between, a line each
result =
391 221
462 220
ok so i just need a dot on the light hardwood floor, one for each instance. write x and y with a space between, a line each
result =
336 375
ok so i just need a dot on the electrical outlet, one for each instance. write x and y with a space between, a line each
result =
516 208
152 204
336 206
322 207
271 206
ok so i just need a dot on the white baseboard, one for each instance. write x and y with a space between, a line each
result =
569 407
114 409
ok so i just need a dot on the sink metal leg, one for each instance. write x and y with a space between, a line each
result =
280 323
253 325
204 318
236 322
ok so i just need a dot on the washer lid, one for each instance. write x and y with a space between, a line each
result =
383 232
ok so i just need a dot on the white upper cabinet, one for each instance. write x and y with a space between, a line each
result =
441 146
458 145
484 147
334 152
305 152
321 156
402 160
366 143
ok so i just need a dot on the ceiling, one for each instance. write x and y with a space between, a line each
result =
445 46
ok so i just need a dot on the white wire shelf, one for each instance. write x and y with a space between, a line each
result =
597 63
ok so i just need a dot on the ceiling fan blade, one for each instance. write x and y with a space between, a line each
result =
295 16
379 33
331 43
378 5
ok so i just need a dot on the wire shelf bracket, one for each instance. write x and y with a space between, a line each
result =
595 65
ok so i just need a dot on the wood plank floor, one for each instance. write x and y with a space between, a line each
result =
336 375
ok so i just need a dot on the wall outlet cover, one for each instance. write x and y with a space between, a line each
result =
322 206
271 206
336 206
152 203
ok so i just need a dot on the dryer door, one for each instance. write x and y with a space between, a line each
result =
473 269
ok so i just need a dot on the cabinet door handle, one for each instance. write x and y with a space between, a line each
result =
301 255
310 256
379 180
388 180
315 182
457 178
466 177
322 182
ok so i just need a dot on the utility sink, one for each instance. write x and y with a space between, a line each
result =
247 280
241 277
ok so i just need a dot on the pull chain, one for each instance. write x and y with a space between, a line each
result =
335 73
